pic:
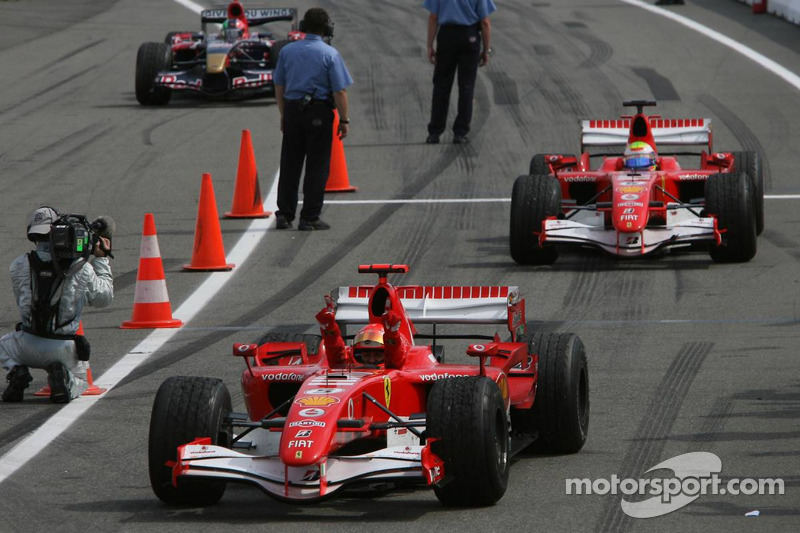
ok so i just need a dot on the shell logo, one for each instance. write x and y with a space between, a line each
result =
317 401
630 189
502 384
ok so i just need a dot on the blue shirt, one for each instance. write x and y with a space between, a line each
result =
460 12
310 66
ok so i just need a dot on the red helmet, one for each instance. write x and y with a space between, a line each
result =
368 345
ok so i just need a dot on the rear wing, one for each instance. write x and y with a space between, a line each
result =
440 305
666 132
255 17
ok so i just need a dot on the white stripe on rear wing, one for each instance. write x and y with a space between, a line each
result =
428 305
690 131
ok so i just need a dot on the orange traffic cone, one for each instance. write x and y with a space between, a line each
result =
93 390
247 202
151 308
208 252
338 181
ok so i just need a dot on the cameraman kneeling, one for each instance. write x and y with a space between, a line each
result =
51 285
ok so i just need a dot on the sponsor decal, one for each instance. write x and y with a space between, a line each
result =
318 401
502 384
298 455
628 224
630 204
632 240
580 178
478 347
302 443
283 376
445 375
526 366
387 390
324 390
629 210
630 197
338 380
350 409
306 423
683 177
630 189
629 217
303 433
312 412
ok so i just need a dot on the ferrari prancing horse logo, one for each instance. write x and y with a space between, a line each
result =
387 390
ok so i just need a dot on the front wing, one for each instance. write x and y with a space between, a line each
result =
307 483
694 230
191 80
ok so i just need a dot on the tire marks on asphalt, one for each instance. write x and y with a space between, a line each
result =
647 444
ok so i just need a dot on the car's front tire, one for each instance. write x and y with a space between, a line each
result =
150 59
533 199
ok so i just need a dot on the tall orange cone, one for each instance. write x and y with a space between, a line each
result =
338 180
92 390
151 308
208 252
247 202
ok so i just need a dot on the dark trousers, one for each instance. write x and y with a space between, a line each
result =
307 137
457 48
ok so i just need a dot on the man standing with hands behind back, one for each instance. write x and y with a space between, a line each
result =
310 80
463 36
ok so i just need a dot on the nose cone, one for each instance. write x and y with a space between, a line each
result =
630 206
215 63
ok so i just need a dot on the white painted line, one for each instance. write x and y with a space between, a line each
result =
30 446
191 6
772 66
782 197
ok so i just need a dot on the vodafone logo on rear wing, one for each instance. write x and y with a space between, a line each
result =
426 304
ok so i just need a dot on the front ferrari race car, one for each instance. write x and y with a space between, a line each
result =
641 201
317 423
235 61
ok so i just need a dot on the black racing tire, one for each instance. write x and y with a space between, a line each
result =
539 164
184 409
750 164
560 412
730 198
275 52
533 199
150 59
468 417
312 341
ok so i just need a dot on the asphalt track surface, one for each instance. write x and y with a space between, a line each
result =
685 355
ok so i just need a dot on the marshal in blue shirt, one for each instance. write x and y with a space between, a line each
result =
460 12
311 66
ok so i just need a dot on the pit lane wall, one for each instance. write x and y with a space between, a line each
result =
786 9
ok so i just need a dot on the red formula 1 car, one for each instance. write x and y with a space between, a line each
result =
640 202
320 419
236 61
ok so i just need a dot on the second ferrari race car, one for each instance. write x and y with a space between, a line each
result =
642 201
233 62
323 416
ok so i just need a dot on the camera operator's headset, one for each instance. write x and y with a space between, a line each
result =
326 32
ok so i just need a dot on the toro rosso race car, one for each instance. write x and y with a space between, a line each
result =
236 61
323 416
643 201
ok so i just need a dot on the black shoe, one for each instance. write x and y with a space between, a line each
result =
58 379
281 222
460 139
432 139
311 225
18 379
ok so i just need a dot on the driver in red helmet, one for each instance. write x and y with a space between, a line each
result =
376 343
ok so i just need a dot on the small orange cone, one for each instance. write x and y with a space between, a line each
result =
208 252
338 181
93 390
151 308
247 201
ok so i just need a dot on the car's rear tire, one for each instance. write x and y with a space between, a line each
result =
730 198
750 164
533 199
275 52
468 417
184 409
150 59
539 164
560 412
